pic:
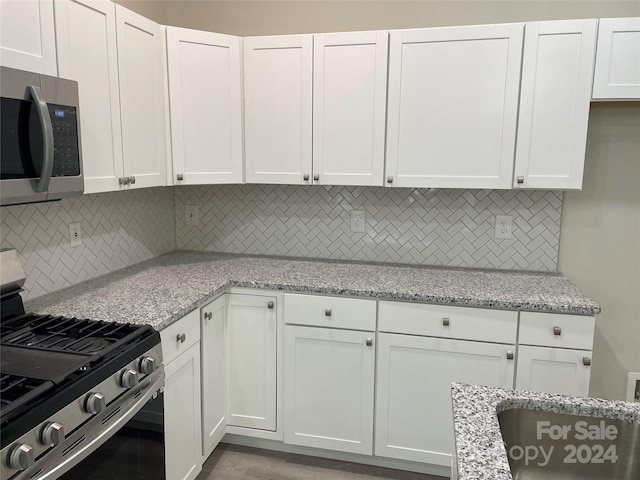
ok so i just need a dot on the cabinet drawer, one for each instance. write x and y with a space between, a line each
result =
444 321
189 325
556 330
320 311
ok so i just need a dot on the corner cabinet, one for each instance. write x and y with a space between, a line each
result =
554 104
617 73
182 417
278 98
116 57
252 361
206 106
214 374
349 104
456 129
27 36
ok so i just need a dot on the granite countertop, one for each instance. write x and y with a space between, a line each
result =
480 450
161 290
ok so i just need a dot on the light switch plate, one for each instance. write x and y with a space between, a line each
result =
191 215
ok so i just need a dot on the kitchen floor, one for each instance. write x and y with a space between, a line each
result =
233 462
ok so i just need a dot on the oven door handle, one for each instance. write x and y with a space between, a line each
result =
47 139
58 463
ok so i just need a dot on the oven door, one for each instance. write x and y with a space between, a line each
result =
135 452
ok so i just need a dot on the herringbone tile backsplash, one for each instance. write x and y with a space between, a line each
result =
118 229
423 226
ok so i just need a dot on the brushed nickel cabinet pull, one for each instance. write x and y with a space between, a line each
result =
389 179
586 361
369 342
327 312
181 337
269 304
445 322
305 177
316 177
557 330
180 177
509 355
520 180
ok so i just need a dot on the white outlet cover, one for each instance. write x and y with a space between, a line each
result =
357 221
504 226
75 235
191 215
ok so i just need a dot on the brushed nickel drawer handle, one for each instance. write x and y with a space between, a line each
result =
305 177
369 342
557 330
327 312
208 315
445 322
181 337
586 361
509 355
270 305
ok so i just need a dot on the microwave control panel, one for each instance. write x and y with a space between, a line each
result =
66 156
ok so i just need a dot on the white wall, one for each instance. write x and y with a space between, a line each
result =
600 243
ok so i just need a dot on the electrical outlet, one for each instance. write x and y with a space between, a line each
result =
357 221
191 215
504 226
633 387
75 235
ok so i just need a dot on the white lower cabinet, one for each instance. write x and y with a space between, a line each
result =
182 424
414 420
554 370
251 361
214 392
328 388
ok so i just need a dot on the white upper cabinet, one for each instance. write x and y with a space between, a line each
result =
617 73
452 106
206 107
87 53
349 100
554 104
278 99
142 98
27 36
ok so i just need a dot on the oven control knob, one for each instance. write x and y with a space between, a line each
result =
52 434
147 365
129 378
21 457
95 403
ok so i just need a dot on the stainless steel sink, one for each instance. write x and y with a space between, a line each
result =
555 446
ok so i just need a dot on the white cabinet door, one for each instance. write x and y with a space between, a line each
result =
414 420
214 392
328 389
87 53
278 97
452 106
27 36
617 73
554 370
251 361
554 104
349 103
183 452
142 98
206 107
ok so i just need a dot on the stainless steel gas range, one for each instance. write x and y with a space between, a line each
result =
70 387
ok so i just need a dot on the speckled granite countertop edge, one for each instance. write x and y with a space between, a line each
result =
480 451
162 290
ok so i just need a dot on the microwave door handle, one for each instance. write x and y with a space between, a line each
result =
47 139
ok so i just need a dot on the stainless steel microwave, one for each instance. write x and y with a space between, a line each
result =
40 158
